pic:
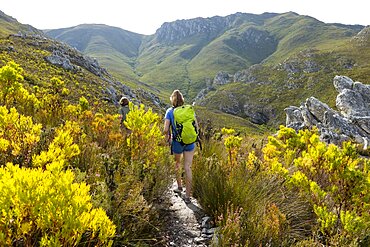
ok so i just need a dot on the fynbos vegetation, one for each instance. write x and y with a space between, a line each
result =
70 175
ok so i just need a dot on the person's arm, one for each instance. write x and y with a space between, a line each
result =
197 125
166 130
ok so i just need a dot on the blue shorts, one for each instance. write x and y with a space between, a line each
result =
179 148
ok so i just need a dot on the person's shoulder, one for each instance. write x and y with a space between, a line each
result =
168 112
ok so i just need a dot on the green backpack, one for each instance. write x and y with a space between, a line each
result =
186 131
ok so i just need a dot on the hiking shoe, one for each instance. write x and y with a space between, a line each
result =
178 190
187 200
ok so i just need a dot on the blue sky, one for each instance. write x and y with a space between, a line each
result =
146 16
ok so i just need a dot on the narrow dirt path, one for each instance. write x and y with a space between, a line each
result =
183 222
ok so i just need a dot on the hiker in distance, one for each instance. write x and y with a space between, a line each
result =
123 110
180 129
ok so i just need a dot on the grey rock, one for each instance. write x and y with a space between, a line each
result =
62 55
354 102
202 94
223 78
247 75
364 90
308 118
61 60
199 240
232 106
210 231
294 118
206 236
363 123
342 82
206 222
317 108
310 66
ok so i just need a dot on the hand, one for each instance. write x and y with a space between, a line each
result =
169 140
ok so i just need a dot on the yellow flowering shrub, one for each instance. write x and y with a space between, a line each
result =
232 144
18 136
47 208
145 139
60 149
12 92
335 180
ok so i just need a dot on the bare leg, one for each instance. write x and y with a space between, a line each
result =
188 160
178 169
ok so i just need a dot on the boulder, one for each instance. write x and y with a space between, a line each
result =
294 118
61 60
353 100
342 82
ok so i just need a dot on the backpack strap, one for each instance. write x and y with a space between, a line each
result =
172 120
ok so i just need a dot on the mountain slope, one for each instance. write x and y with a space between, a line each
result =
296 33
114 47
185 54
9 25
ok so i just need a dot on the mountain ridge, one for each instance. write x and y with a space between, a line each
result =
10 25
186 53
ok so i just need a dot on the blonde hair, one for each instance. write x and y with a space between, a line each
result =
176 98
124 101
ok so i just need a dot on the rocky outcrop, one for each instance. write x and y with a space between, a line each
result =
247 75
61 60
177 31
351 120
70 59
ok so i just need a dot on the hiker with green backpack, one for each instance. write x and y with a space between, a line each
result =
181 130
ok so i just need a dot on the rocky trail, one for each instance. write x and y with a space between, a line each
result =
186 225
